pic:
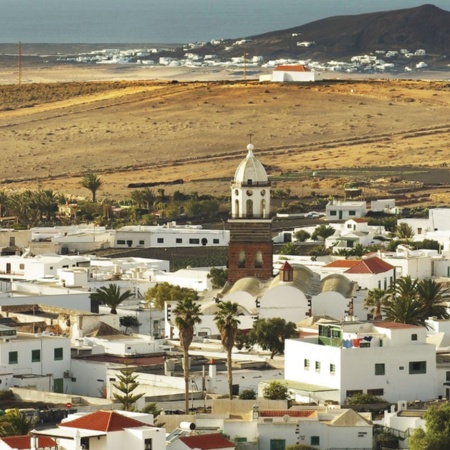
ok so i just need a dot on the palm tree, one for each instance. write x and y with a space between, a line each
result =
322 231
14 423
408 310
374 302
403 231
227 322
432 293
3 202
111 296
91 182
187 315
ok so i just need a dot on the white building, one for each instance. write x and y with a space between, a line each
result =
170 235
384 205
297 73
389 360
343 210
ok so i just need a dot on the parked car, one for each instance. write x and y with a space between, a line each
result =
314 215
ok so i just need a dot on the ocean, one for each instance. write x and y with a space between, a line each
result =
168 21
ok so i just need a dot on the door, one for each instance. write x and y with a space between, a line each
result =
58 385
277 444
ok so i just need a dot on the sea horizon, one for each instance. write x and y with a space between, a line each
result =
165 22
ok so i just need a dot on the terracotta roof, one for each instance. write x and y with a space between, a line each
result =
344 263
394 325
358 220
104 421
370 265
285 412
286 266
24 442
207 441
297 68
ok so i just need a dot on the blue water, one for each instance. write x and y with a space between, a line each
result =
168 21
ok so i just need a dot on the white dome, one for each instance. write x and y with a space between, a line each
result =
250 170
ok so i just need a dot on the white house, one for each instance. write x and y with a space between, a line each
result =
343 210
170 235
386 359
107 430
384 205
298 73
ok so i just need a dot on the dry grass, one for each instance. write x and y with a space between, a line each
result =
131 132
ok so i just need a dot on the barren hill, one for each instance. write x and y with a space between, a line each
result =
144 132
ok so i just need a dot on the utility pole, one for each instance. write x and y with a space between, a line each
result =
245 66
19 61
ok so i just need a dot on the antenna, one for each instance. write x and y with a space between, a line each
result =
19 61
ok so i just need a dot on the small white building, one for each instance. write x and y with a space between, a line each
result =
170 235
344 210
386 359
297 73
386 206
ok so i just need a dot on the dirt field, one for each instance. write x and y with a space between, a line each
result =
198 131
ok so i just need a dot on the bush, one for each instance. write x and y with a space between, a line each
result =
363 399
276 391
247 394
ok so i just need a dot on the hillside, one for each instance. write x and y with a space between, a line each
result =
153 132
425 27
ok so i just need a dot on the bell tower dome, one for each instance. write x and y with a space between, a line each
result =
250 248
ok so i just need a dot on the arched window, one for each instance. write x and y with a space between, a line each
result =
249 211
241 261
236 208
263 208
204 241
258 260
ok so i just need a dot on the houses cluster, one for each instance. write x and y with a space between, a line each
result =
58 345
195 57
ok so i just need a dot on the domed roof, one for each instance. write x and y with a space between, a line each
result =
250 169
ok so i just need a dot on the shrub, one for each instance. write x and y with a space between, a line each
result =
247 394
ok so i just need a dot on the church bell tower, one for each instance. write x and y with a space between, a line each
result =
250 251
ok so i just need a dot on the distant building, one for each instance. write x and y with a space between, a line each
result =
295 73
339 210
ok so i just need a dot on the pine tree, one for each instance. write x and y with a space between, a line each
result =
127 384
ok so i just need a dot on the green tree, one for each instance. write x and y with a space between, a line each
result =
247 394
152 408
218 277
374 302
166 292
14 423
403 231
363 399
432 293
3 202
129 321
270 334
91 182
227 322
111 296
322 232
187 314
289 248
126 385
302 235
437 434
276 391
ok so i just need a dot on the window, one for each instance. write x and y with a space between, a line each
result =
141 242
315 440
258 260
352 213
380 369
120 241
194 241
306 364
179 240
354 392
333 213
13 358
241 261
414 337
216 241
147 444
332 369
317 366
21 266
58 353
447 376
377 392
417 367
160 240
35 356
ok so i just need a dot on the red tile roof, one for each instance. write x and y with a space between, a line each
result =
104 421
296 68
285 412
24 442
371 265
358 220
344 263
207 441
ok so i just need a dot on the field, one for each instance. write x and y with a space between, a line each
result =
394 134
